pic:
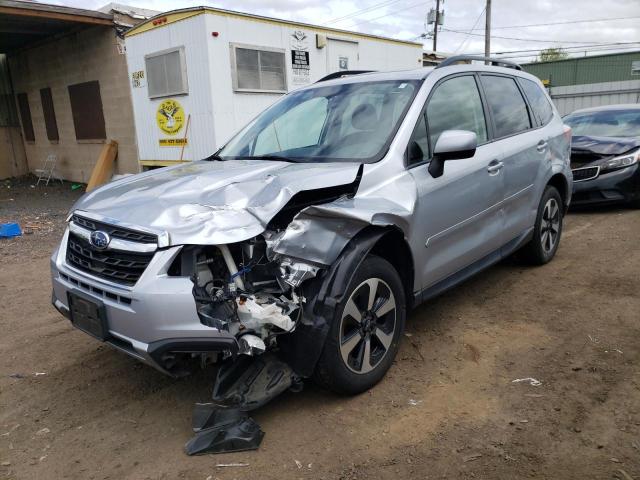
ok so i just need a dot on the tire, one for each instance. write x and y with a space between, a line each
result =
378 333
547 230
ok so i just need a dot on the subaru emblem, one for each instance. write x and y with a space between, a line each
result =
99 239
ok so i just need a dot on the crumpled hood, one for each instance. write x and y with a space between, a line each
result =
604 145
211 202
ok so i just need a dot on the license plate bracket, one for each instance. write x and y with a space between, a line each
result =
88 315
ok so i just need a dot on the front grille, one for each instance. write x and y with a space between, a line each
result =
587 173
582 157
113 265
113 231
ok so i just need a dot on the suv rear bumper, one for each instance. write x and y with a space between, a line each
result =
155 316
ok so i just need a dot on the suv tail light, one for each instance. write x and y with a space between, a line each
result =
567 132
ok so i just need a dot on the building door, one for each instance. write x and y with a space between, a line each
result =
341 55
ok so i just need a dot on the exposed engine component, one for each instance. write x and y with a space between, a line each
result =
239 290
244 290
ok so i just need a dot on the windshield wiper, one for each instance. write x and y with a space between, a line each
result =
213 157
270 157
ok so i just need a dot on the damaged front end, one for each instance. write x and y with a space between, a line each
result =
251 291
244 290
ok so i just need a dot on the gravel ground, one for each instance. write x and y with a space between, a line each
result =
73 408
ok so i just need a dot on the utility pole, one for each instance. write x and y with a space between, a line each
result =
487 30
435 26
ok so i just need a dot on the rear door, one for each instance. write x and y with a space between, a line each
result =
457 217
522 146
341 55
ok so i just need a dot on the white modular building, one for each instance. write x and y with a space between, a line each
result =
198 75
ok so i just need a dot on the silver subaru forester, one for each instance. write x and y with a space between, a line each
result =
309 236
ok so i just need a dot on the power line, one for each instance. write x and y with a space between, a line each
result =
561 23
470 30
388 14
364 10
571 50
512 38
578 47
613 50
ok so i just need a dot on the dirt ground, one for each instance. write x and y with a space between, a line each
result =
73 408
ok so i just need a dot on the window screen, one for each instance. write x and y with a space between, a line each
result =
538 100
455 105
166 73
507 106
86 108
49 114
257 69
25 116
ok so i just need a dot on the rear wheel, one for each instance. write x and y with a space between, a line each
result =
366 329
547 230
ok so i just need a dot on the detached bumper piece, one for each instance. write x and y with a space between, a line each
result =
220 431
241 386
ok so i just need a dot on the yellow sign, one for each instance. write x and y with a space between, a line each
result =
172 142
170 117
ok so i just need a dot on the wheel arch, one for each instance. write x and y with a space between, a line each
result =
302 348
560 182
394 248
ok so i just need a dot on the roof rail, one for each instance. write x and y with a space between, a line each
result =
343 73
494 61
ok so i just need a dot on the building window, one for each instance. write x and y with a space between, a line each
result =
25 116
49 114
86 108
258 69
166 73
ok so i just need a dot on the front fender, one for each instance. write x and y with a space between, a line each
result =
302 348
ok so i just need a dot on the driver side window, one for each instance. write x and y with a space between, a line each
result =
455 104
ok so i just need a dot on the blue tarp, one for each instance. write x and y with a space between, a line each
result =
8 230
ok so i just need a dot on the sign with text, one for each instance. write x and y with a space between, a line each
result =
300 65
172 142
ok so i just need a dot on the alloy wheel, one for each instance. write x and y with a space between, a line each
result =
550 225
367 326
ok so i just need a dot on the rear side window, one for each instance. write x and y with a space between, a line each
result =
538 100
508 108
455 105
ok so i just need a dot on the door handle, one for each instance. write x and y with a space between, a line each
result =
495 166
542 145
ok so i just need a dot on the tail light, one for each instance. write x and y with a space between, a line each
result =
567 132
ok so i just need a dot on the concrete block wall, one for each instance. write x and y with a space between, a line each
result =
85 55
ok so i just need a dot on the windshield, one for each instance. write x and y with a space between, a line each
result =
347 122
614 123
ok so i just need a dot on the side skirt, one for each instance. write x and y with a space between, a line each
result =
476 267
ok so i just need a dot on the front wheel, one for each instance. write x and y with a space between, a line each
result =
366 329
547 230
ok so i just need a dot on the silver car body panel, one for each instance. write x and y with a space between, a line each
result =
210 202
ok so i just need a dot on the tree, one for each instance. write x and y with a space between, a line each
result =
551 54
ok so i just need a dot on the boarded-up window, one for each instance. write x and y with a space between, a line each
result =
25 116
49 114
86 108
258 69
166 73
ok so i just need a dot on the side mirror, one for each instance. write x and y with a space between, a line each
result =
452 145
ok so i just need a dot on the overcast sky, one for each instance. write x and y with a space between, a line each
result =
405 19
